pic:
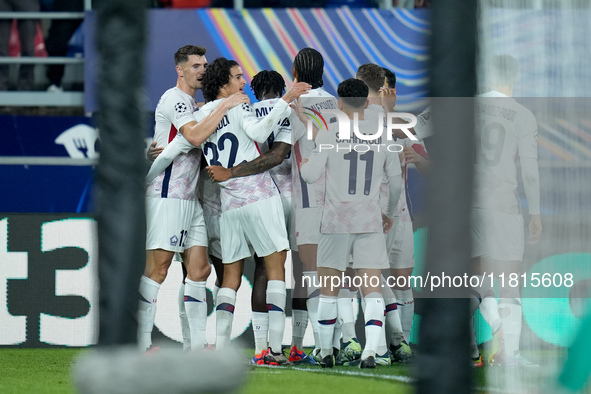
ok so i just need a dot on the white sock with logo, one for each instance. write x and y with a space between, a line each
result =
185 329
147 311
260 328
276 298
224 314
196 307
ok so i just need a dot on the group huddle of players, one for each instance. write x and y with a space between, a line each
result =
232 181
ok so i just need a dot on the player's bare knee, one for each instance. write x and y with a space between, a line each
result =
202 273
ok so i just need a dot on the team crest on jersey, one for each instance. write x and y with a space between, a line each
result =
180 107
174 240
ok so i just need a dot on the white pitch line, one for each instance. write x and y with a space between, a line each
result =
403 379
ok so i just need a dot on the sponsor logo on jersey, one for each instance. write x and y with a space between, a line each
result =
183 115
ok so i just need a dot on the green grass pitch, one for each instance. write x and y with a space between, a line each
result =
48 371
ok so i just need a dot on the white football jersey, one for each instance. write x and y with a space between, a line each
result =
179 180
304 195
354 172
209 195
505 131
233 143
281 173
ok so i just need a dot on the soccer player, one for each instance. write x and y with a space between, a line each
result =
352 221
251 206
174 218
268 87
400 243
308 66
506 131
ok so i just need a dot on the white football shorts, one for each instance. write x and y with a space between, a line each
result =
401 245
214 247
497 235
168 221
260 224
368 251
307 225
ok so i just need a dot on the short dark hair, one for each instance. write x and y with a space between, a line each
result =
390 77
353 92
309 65
217 74
182 55
372 75
267 81
504 70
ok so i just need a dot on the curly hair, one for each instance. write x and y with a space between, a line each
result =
372 75
390 77
182 55
267 81
217 74
353 92
309 65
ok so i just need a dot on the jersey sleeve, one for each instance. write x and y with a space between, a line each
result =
312 170
177 146
179 110
260 129
423 128
528 138
394 173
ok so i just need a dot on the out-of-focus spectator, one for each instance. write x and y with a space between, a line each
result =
27 29
60 32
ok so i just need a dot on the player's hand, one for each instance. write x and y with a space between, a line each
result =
388 98
535 229
410 155
298 108
301 163
153 151
219 173
235 99
296 90
387 223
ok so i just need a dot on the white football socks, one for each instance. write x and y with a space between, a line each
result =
327 317
185 329
276 298
346 318
224 314
146 311
511 321
299 322
406 308
313 292
196 307
260 328
393 327
374 322
489 308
